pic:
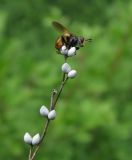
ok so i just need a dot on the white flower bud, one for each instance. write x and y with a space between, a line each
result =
72 74
64 50
72 51
27 138
36 139
52 115
66 68
44 111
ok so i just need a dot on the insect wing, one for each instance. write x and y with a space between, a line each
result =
58 26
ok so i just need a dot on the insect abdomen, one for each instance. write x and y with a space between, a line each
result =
59 43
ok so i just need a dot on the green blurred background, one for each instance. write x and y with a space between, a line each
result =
94 114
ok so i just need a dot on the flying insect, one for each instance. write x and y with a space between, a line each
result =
67 38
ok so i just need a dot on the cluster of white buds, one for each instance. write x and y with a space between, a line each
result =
46 113
66 68
36 138
68 52
32 140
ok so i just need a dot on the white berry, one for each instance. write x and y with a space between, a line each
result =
72 51
52 115
36 139
27 138
66 68
44 111
72 74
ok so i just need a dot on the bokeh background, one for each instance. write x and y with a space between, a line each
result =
94 114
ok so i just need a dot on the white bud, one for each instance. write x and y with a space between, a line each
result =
66 68
64 50
72 74
44 111
27 138
36 139
72 51
52 115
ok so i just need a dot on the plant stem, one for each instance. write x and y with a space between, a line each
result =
30 153
52 106
52 99
42 137
60 90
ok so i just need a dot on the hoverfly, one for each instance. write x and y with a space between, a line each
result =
67 38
